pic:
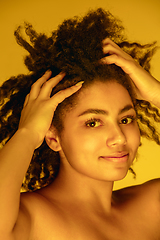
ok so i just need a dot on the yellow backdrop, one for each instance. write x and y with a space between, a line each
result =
141 19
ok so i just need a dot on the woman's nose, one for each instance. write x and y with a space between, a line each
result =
115 136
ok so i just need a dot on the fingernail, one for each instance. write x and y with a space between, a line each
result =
62 73
48 71
79 83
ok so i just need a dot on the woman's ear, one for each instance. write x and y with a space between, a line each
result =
52 139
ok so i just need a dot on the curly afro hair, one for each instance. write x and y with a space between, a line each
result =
74 48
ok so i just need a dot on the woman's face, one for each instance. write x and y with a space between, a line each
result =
101 136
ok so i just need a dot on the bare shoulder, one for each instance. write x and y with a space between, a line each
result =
37 216
139 206
30 203
151 186
23 224
148 191
143 198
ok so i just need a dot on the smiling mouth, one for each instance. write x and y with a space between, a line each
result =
116 159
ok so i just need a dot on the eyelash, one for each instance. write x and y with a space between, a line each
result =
92 120
133 118
96 120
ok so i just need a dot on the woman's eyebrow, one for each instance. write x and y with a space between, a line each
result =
104 112
126 108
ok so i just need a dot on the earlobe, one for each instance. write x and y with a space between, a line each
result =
52 139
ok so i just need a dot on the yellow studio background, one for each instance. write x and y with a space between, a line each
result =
141 19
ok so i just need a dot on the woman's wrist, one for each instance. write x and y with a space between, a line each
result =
154 97
28 137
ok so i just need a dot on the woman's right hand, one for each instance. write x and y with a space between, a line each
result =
146 86
39 107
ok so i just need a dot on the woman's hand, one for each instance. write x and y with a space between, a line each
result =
39 107
146 86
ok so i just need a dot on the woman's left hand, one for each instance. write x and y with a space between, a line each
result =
146 86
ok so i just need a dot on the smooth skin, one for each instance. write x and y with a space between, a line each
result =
35 121
80 203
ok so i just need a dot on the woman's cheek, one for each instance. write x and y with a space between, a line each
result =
134 136
92 142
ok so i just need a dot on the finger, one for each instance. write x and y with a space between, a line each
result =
63 94
119 61
50 84
107 41
112 59
35 89
109 49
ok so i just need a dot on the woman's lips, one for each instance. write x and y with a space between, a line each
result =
116 158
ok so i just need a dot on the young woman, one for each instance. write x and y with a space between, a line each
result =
78 132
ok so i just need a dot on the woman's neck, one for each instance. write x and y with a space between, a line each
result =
73 187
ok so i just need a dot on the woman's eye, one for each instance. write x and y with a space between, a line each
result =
127 120
93 123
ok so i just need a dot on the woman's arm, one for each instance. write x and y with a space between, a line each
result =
14 161
15 156
146 86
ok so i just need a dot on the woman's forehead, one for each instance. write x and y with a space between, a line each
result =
108 89
103 95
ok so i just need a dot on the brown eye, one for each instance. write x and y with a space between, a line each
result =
93 123
127 120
